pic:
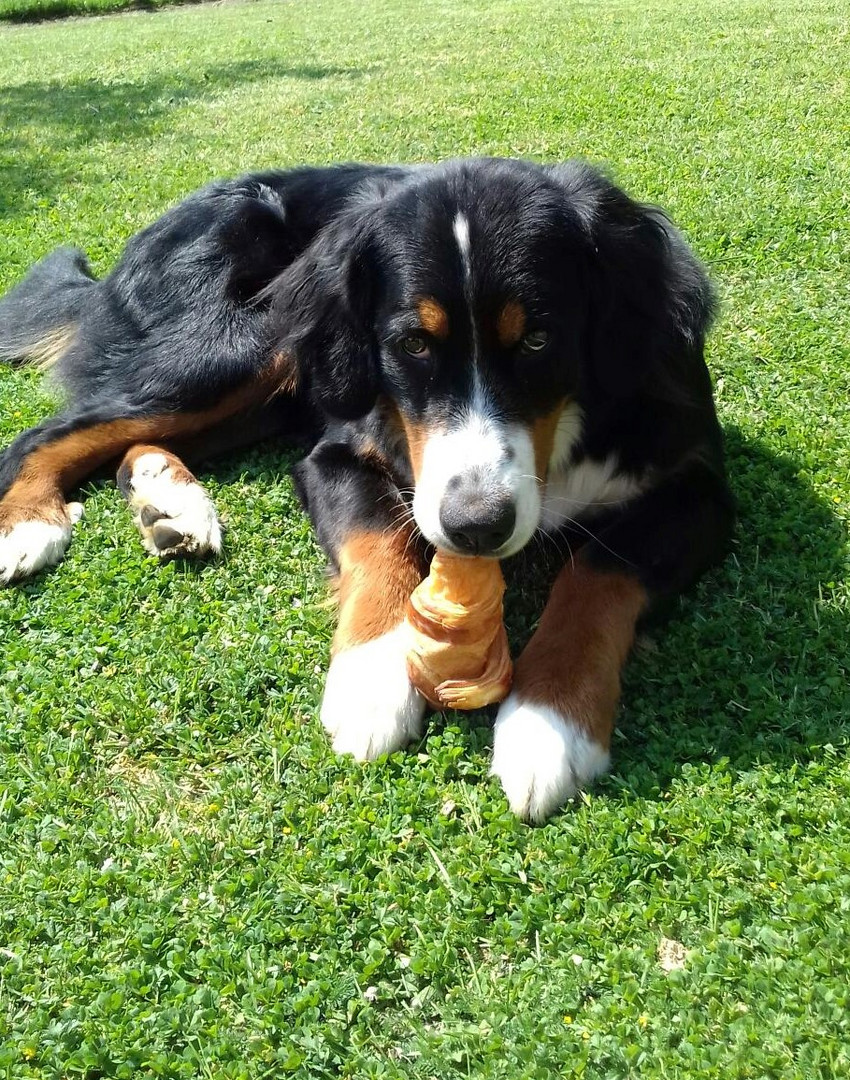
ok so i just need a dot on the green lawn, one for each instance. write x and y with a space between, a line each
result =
35 10
191 884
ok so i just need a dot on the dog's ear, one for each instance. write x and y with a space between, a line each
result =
322 315
650 301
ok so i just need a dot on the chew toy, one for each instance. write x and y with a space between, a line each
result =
458 656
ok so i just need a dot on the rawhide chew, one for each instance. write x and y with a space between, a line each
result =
458 655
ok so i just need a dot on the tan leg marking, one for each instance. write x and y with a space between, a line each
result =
57 466
378 572
572 663
369 706
35 524
553 732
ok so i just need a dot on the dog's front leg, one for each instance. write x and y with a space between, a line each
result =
369 705
553 733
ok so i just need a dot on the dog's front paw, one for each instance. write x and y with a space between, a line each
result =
370 706
31 543
542 758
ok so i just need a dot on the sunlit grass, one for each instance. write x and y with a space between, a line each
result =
191 884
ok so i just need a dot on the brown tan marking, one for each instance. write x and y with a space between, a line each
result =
45 353
178 471
510 325
434 317
50 509
378 572
572 663
416 435
369 451
55 467
58 466
286 375
543 439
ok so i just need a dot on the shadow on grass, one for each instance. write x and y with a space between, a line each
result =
34 11
753 668
750 667
45 126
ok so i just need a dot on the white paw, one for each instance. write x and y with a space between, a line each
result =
370 707
542 758
29 546
174 516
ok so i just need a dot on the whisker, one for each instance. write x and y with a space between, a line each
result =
402 522
567 498
401 519
584 502
555 539
601 542
399 516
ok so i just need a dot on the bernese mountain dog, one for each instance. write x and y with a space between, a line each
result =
474 352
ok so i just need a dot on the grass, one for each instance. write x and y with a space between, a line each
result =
190 883
24 11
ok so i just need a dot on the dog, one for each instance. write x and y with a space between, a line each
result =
473 352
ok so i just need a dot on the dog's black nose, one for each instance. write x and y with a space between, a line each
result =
477 526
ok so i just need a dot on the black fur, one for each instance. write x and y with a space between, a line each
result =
52 296
326 265
613 280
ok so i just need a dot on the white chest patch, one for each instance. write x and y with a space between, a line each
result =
574 490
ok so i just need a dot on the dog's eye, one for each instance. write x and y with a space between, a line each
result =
534 341
415 346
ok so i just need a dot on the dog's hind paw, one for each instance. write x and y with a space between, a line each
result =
172 511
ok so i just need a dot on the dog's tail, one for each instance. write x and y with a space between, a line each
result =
39 317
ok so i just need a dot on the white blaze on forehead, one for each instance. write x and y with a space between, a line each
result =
460 227
479 406
491 459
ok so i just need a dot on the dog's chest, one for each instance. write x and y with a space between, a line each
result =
573 491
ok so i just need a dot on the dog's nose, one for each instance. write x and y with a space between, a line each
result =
477 526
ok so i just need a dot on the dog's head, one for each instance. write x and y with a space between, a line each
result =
487 301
